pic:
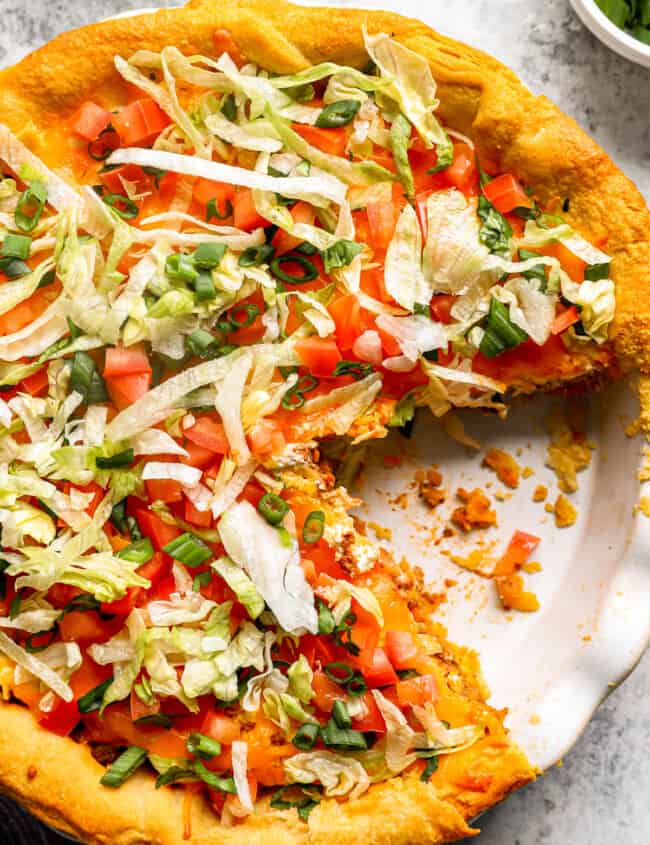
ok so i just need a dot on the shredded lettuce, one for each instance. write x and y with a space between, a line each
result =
300 677
403 275
241 585
410 84
339 775
339 594
36 667
273 566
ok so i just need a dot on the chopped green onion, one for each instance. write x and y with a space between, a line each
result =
357 369
202 343
80 604
229 107
124 766
422 309
102 147
86 380
326 623
292 400
432 764
30 206
593 273
273 508
159 720
4 564
306 736
340 714
14 267
173 775
134 528
208 255
357 684
180 268
188 549
339 672
201 580
500 332
32 648
204 289
342 739
139 551
304 804
157 173
16 246
242 316
118 461
75 331
203 746
118 516
338 114
310 271
305 248
253 256
285 372
212 211
312 530
47 278
306 383
14 606
121 205
214 781
92 700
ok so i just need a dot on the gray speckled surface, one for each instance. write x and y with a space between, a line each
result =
600 795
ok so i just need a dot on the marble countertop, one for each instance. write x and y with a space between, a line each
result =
600 794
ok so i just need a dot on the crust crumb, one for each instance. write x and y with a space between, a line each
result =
540 493
569 451
504 465
381 532
476 561
475 512
513 596
565 512
428 484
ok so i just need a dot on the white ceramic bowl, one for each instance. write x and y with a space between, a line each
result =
610 34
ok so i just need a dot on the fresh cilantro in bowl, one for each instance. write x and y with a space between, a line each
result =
631 15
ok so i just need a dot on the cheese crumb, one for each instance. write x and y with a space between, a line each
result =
475 512
565 512
569 452
540 493
505 466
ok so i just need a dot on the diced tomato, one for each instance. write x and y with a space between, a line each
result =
202 519
571 263
332 141
205 190
139 708
519 549
381 220
90 120
323 557
26 312
125 390
441 307
156 568
365 632
126 361
378 671
98 494
62 718
59 595
164 489
37 383
219 726
373 720
390 346
85 627
266 437
401 649
245 213
346 312
266 754
200 457
372 283
163 587
153 527
419 690
114 179
462 172
565 319
319 354
326 691
208 433
225 43
506 193
301 212
140 122
123 606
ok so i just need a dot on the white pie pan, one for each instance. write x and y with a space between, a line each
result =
613 36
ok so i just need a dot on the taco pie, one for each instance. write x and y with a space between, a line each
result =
228 237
